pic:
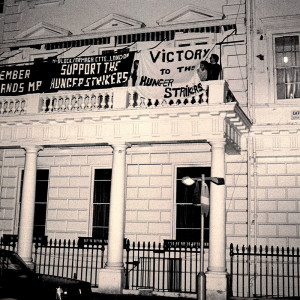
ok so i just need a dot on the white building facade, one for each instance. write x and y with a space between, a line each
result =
106 163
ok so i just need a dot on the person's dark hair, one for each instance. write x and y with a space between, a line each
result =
215 57
204 63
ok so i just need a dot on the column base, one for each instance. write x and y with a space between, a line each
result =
217 285
111 281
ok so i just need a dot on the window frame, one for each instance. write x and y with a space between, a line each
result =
274 67
175 201
92 201
35 202
274 27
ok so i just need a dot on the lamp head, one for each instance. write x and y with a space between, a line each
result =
187 181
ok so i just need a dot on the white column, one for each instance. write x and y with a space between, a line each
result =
216 286
27 205
112 277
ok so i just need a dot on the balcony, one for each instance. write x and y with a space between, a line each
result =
121 115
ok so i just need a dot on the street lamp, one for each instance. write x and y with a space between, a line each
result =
188 181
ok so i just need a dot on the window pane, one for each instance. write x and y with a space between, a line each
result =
297 91
188 235
40 214
39 231
100 233
278 44
42 175
188 216
101 174
41 191
279 60
102 191
280 76
101 214
281 91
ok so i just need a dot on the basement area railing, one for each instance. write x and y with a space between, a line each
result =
171 266
262 272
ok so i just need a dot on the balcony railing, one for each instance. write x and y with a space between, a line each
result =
214 92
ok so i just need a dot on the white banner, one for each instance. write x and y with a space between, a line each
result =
170 73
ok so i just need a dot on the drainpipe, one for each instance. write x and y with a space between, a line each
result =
252 190
255 190
250 24
250 163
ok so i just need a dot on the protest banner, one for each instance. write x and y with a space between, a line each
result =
78 73
169 73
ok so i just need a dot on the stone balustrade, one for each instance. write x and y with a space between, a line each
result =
12 106
214 92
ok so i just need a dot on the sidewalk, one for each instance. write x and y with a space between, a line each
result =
97 296
144 295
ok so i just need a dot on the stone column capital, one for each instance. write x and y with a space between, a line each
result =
32 148
217 143
120 146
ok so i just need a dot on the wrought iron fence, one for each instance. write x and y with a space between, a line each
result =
265 272
80 259
170 267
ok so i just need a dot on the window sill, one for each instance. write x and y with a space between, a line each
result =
291 102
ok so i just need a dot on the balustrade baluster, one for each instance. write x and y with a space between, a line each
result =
5 106
67 102
71 103
93 101
159 102
110 100
63 103
11 106
89 97
44 105
79 101
138 100
56 106
50 107
23 106
17 105
97 101
143 102
82 102
101 101
131 100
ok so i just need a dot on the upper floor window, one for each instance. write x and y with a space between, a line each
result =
1 6
287 66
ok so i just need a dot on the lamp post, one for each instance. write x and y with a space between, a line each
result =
188 181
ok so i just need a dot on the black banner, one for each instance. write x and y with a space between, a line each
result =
78 73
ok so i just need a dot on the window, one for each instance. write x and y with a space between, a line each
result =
102 185
188 211
41 196
287 66
1 6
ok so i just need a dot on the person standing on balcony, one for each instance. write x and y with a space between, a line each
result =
214 69
133 74
202 71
